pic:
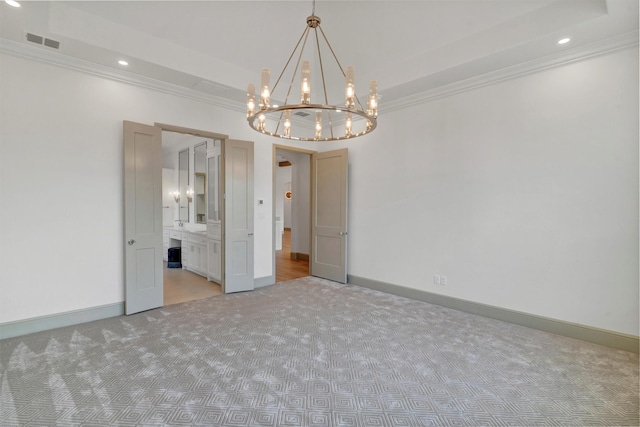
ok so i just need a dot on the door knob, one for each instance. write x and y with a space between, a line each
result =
131 242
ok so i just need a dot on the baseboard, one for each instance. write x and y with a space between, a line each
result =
299 256
572 330
59 320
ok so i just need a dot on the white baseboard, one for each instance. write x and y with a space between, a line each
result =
572 330
59 320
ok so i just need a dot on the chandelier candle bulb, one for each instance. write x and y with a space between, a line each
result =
261 121
251 99
318 125
372 109
264 91
287 123
350 91
305 85
347 125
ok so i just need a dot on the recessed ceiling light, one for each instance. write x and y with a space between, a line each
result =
564 40
123 62
13 3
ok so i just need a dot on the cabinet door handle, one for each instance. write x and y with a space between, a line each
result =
131 242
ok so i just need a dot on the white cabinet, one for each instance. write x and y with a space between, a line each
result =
194 252
165 245
214 262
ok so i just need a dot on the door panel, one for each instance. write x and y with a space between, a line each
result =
142 217
329 215
238 218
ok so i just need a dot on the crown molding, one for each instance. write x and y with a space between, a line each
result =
601 47
55 58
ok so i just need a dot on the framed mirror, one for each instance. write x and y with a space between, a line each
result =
199 182
183 184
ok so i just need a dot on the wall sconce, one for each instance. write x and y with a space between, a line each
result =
190 195
176 196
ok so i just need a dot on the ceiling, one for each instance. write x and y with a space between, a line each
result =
409 47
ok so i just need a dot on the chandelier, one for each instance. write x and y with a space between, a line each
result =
327 122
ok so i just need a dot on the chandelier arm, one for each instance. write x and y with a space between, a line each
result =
332 52
306 30
339 65
295 70
324 85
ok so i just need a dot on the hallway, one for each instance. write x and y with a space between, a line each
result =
287 268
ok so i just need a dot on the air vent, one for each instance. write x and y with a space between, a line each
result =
34 38
301 114
52 43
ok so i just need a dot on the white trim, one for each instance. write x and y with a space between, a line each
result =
22 50
60 320
601 47
590 334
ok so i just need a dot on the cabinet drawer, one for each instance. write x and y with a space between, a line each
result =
200 240
175 234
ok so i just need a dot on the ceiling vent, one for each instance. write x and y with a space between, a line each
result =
52 43
34 38
301 114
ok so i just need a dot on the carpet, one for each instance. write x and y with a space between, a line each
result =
312 352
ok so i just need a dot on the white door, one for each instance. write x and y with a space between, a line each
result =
238 217
142 217
329 215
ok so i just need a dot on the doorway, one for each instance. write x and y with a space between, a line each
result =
292 203
184 153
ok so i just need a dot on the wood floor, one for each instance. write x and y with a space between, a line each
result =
287 268
182 285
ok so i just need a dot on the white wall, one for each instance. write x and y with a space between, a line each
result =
524 193
61 178
283 177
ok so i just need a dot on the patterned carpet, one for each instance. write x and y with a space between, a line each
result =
312 352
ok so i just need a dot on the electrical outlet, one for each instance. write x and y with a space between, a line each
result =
436 279
443 280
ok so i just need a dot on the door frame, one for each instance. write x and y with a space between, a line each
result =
188 131
276 147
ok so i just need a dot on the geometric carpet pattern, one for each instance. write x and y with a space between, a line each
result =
310 352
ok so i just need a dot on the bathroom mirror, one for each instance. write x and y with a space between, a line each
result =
200 178
183 184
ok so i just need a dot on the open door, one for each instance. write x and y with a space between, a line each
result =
142 217
329 215
238 217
